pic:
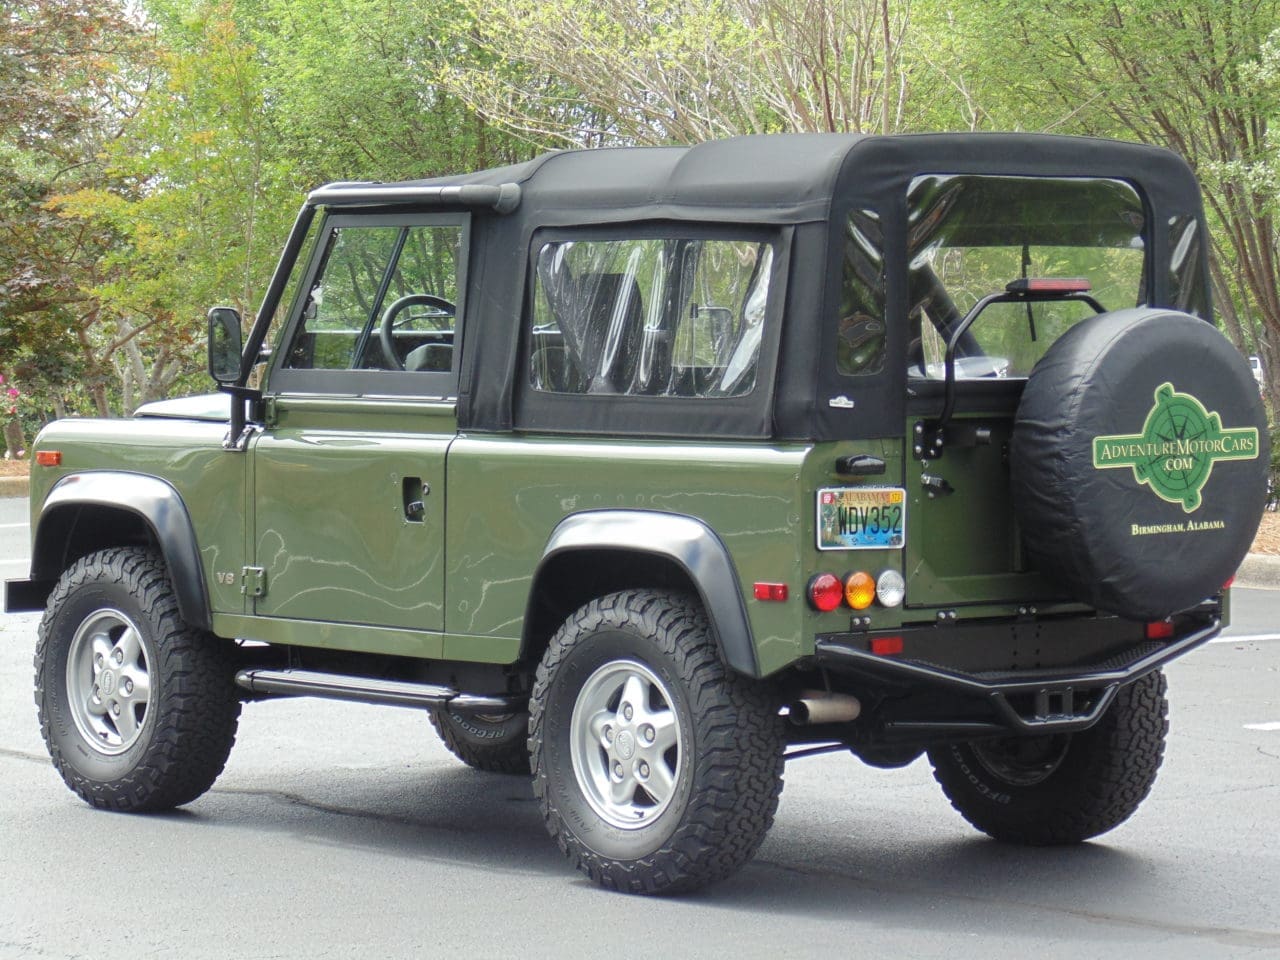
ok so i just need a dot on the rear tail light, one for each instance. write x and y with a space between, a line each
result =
859 590
1160 630
891 589
825 592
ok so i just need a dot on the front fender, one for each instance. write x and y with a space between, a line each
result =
153 501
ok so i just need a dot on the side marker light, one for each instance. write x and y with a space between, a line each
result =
776 592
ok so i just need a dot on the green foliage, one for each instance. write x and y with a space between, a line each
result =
151 157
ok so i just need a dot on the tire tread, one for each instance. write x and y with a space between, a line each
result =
740 764
195 710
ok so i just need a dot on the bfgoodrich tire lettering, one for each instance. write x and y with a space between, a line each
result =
494 744
647 659
1065 788
138 710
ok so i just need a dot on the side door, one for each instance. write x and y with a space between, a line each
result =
348 472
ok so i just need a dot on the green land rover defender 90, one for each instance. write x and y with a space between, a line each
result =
639 468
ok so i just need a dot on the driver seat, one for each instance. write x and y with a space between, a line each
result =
434 357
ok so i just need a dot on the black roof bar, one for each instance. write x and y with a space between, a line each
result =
502 198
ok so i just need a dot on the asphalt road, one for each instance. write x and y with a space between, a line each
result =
341 830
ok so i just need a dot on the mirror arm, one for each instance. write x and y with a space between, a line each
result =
239 431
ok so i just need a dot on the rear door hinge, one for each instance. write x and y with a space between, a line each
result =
253 581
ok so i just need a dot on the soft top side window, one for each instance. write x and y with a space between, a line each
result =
656 317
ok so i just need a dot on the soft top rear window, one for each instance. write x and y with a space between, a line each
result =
977 243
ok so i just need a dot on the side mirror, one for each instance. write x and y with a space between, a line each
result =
224 344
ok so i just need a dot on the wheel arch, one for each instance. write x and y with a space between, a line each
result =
86 512
600 551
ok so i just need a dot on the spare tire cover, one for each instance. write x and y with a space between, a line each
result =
1139 462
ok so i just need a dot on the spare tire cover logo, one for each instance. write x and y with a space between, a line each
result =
1179 444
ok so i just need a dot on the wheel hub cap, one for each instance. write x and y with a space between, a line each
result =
108 681
625 744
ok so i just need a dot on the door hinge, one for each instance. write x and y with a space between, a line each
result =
253 581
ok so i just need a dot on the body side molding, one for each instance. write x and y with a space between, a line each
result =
686 541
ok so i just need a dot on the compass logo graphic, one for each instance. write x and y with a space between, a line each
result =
1179 444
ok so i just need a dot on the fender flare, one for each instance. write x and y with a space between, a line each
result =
153 501
686 541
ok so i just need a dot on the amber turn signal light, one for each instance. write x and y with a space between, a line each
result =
859 590
49 458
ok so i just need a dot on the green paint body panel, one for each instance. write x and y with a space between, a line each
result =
964 548
345 569
332 486
186 454
506 495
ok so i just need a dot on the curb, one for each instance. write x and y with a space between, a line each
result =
1259 570
14 486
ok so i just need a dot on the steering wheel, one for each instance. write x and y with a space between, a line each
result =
392 313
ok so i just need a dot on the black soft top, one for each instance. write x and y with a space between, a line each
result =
792 178
804 186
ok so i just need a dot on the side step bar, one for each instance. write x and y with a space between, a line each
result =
403 693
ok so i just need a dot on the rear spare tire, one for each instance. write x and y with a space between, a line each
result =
1139 462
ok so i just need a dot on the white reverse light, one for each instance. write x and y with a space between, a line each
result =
890 588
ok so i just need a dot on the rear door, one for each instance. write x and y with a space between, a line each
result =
1022 259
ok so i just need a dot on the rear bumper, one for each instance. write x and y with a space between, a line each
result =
925 701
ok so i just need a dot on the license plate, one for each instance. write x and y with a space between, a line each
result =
861 518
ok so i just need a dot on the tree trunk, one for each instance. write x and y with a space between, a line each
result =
15 443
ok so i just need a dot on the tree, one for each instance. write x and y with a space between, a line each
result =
680 72
1201 77
70 73
199 200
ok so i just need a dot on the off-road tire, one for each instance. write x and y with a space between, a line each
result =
729 773
491 744
189 725
1100 779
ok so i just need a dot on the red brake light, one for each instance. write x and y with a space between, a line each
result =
1049 285
1160 630
1230 580
49 458
825 592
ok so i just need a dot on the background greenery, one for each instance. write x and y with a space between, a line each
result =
153 154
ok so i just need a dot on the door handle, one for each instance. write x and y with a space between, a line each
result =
414 493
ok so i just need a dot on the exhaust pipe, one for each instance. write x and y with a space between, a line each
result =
818 706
